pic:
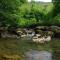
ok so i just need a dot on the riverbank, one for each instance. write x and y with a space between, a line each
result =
53 31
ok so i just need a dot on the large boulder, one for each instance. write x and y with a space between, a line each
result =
12 30
38 55
43 28
2 30
56 30
49 33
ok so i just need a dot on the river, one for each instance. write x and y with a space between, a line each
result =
48 51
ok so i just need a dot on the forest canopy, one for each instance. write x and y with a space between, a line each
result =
24 14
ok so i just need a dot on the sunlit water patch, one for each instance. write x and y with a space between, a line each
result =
38 55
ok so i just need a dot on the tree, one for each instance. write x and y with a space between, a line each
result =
8 11
56 7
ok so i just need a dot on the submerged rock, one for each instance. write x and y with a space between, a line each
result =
38 55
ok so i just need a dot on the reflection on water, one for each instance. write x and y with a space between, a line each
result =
38 55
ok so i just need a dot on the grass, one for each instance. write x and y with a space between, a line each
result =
17 47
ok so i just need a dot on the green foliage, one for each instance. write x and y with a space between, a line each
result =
57 20
36 12
26 23
9 5
56 7
55 13
19 12
8 12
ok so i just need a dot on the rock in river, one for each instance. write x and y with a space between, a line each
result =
38 55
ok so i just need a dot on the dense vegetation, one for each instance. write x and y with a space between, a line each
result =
20 13
24 14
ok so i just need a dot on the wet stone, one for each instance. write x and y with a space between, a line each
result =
38 55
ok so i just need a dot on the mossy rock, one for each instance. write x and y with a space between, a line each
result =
51 33
54 28
57 31
39 32
43 28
